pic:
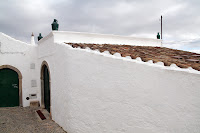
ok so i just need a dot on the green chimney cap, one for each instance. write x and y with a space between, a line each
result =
55 25
40 36
158 36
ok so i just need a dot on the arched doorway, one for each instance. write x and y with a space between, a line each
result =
10 86
45 84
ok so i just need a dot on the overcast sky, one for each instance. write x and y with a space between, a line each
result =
140 18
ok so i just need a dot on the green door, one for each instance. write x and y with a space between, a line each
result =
9 88
46 89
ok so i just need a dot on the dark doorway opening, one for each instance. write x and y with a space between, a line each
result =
46 96
46 89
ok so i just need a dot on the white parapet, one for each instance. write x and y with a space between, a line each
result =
77 37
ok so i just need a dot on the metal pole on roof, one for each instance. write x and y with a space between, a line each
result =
161 26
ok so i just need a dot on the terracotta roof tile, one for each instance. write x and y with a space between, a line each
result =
182 59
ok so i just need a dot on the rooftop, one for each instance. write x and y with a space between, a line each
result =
182 59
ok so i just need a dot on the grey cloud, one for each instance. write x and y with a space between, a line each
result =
123 17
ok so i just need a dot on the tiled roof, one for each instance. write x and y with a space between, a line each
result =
182 59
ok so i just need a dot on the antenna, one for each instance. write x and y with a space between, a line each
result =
161 26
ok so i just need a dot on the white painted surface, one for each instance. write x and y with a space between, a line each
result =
93 92
78 37
21 55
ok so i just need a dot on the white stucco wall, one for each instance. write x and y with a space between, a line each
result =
78 37
21 55
94 92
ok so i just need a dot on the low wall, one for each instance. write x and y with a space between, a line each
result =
76 37
95 93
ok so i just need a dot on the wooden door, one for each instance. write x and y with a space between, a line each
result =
9 88
46 89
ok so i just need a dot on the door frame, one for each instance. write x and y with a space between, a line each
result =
19 78
44 63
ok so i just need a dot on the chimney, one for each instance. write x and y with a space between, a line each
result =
40 36
158 36
55 25
32 39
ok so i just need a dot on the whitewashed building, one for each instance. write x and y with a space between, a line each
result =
89 91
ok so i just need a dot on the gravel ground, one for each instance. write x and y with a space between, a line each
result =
26 120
